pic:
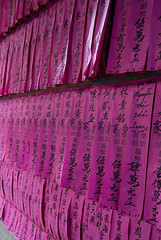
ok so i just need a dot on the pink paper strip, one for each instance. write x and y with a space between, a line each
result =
155 234
89 30
53 65
60 76
98 37
115 63
152 209
75 216
104 111
134 168
139 229
119 227
154 53
25 56
38 51
44 71
67 194
32 52
138 33
3 63
76 49
117 133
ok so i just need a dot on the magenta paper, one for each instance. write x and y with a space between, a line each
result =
20 6
2 206
98 38
75 216
34 132
25 56
34 35
61 123
15 174
117 135
154 53
75 58
152 207
67 194
103 119
119 227
3 63
56 39
137 42
155 234
38 200
72 141
54 204
5 54
46 54
139 229
96 221
64 43
25 133
115 63
10 218
25 229
19 192
130 35
38 51
40 234
27 7
18 62
42 161
134 168
46 206
88 34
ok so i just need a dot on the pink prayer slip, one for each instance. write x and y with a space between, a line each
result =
155 234
154 53
76 46
25 229
11 217
88 221
18 61
27 7
9 63
152 208
138 33
119 227
60 76
67 194
131 196
40 234
38 51
38 200
3 63
54 204
19 12
102 17
2 206
72 141
25 56
104 108
139 229
75 216
76 171
115 63
56 40
34 35
117 135
88 35
61 122
47 41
